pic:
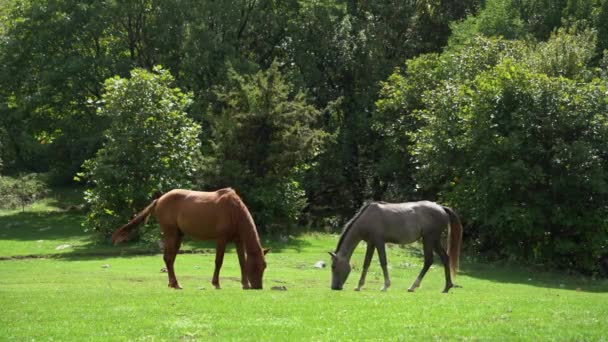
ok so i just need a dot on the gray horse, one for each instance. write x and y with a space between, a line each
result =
378 223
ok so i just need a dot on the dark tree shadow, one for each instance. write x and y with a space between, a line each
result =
512 273
502 272
65 225
27 226
278 244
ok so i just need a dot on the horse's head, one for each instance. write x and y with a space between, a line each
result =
254 268
340 269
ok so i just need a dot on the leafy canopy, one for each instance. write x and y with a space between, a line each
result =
151 146
263 137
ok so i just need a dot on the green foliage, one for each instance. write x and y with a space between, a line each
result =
601 25
2 146
21 191
521 155
262 138
497 18
151 146
345 56
53 58
565 54
495 129
541 17
397 117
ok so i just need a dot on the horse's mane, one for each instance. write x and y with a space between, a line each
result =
350 223
225 191
240 214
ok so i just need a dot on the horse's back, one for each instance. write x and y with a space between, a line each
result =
405 222
431 213
199 214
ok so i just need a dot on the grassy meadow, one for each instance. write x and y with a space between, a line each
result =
60 283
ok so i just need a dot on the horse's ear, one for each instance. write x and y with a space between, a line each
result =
333 255
266 250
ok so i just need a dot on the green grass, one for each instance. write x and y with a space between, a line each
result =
92 292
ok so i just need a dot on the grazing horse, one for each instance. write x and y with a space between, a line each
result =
378 223
221 216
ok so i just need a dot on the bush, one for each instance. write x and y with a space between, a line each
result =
151 146
514 139
498 18
22 191
565 54
263 136
522 155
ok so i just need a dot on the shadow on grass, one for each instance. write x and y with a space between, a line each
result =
278 244
64 226
504 272
27 226
501 272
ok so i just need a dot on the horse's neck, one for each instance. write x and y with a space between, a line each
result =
349 243
245 227
251 239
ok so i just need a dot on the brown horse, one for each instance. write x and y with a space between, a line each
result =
221 216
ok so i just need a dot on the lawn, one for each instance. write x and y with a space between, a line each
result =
94 291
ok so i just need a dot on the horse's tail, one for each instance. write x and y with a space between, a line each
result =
454 240
122 233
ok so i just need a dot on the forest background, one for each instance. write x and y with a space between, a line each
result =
497 108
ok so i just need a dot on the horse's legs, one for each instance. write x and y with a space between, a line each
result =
220 248
428 261
382 256
172 241
240 251
444 259
369 253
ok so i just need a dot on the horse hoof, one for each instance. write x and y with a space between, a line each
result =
175 286
384 289
357 289
411 290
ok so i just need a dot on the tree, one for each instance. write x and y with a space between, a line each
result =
151 146
566 54
403 98
342 50
53 57
520 154
498 18
511 136
263 138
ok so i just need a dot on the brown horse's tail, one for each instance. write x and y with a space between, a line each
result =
454 240
122 233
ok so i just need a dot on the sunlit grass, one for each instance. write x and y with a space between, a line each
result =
127 298
95 291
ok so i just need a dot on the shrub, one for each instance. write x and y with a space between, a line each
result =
523 156
22 191
151 146
263 136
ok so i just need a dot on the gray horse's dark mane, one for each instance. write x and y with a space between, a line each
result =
350 223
